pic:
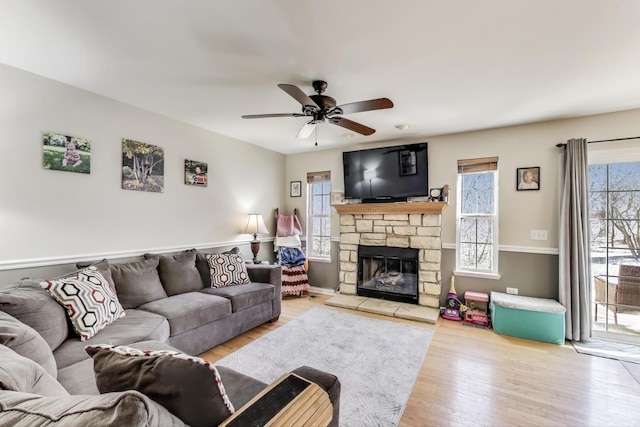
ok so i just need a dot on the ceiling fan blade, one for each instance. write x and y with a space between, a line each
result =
298 95
260 116
372 104
351 125
306 130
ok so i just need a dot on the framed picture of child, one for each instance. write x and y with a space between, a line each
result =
195 173
66 153
528 178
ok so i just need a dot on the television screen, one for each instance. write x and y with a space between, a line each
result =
386 173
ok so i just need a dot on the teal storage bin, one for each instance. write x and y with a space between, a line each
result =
538 319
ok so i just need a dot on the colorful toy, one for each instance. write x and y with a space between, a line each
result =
477 312
453 304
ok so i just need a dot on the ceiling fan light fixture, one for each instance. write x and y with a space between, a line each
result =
402 126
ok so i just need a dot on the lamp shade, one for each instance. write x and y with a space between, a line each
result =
255 225
369 174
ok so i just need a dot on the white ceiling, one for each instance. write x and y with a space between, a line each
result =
448 66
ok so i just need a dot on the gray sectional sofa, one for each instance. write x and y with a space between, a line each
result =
169 304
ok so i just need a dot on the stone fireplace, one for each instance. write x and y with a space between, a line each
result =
409 225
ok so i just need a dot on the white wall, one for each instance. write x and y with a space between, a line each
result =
516 147
48 215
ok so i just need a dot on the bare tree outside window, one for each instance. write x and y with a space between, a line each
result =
477 237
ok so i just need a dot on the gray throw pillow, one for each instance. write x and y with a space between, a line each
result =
29 303
178 272
17 373
104 269
203 268
188 386
25 341
137 283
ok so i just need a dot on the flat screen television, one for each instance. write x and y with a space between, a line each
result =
386 174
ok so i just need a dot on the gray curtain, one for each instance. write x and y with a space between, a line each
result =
575 238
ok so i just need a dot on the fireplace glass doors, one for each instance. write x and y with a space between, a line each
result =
388 273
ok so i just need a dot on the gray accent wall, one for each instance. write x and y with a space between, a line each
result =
534 275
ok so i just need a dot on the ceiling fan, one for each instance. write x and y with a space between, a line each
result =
321 108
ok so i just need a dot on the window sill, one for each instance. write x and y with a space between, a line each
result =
317 259
490 276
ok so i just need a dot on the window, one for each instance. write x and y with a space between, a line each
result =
319 215
614 201
477 217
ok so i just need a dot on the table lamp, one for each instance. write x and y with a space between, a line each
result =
255 226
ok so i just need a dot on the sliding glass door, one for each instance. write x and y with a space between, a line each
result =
615 248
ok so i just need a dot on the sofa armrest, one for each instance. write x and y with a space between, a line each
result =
291 399
265 273
326 381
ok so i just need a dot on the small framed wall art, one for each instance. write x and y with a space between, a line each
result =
142 166
528 178
66 153
296 188
195 173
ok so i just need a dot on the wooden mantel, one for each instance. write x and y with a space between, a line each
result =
390 208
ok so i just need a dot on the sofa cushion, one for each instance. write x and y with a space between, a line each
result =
129 408
79 378
227 269
29 303
189 310
178 272
103 267
137 325
188 386
90 303
18 373
137 282
244 296
25 341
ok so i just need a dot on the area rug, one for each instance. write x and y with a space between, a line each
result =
609 349
376 361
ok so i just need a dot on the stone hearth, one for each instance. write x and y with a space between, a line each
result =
402 225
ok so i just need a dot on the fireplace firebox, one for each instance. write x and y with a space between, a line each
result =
388 273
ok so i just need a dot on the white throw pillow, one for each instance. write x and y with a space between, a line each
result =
227 269
90 303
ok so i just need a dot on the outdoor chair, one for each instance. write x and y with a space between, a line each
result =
624 293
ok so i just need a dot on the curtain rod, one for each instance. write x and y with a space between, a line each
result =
602 140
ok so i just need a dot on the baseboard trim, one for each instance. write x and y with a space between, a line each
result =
323 291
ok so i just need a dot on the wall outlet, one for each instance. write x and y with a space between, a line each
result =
539 235
512 291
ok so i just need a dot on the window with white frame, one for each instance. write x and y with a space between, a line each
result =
319 215
477 217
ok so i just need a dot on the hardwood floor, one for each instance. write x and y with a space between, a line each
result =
473 376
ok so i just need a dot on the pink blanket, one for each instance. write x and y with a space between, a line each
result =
288 225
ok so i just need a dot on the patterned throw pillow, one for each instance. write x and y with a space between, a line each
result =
188 386
227 269
90 303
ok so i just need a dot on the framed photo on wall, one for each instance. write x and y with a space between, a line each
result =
66 153
195 173
528 178
296 188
